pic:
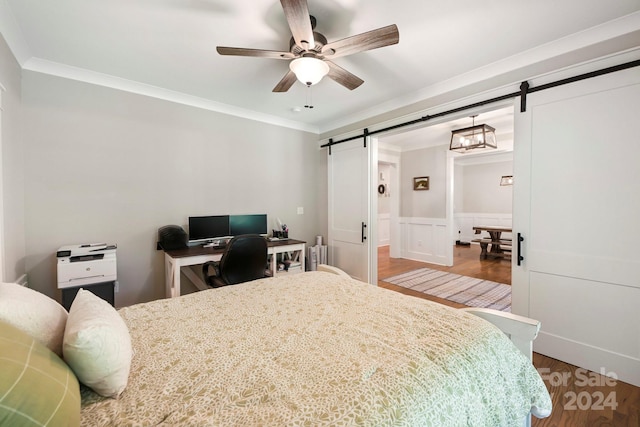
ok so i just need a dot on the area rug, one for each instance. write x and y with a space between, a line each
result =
454 287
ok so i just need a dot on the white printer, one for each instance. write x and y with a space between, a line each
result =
91 266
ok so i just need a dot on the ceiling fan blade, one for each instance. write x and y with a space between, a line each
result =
285 84
297 14
260 53
342 76
374 39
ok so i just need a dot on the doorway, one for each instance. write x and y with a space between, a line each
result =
431 221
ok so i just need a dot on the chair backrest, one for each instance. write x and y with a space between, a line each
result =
244 259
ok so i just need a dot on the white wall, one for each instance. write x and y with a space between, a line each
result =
429 162
479 199
103 165
481 189
12 167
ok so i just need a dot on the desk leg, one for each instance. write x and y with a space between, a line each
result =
273 264
172 277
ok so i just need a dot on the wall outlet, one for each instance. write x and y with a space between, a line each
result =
116 287
300 210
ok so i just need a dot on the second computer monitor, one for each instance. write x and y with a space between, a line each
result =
247 224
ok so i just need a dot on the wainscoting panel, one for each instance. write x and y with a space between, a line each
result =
464 223
384 227
425 239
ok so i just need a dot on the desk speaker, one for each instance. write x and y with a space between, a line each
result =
171 237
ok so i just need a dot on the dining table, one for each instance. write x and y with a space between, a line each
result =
495 246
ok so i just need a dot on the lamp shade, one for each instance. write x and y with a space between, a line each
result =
309 70
478 136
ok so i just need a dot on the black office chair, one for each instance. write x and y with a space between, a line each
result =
244 259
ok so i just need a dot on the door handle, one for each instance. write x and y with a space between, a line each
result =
520 257
363 228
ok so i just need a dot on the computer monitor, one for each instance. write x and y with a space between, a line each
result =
202 228
247 224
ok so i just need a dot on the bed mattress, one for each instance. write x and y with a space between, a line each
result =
316 349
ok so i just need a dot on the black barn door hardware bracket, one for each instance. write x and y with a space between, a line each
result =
524 89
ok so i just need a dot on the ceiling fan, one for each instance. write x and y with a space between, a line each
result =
311 54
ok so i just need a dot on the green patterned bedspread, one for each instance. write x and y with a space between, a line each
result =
316 349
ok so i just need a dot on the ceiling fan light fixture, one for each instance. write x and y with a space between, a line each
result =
309 70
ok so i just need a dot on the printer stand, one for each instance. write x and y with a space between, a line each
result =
104 290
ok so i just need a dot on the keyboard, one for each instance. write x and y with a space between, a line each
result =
214 245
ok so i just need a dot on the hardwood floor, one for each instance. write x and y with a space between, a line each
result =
580 397
466 262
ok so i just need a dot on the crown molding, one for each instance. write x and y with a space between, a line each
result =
80 74
18 45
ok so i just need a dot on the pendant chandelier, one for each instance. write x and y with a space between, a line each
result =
476 136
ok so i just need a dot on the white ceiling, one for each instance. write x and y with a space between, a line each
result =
166 48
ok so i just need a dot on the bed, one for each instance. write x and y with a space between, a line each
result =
316 349
313 349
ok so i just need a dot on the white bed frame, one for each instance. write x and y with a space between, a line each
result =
520 330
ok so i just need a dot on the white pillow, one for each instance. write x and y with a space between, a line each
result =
41 317
97 345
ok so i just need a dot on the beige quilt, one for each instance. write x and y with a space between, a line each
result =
316 349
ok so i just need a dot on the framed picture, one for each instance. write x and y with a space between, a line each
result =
421 183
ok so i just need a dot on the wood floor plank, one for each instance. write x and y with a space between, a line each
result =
575 391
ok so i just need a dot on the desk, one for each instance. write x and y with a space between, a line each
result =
500 248
194 255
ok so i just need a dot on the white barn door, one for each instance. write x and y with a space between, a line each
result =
577 205
351 234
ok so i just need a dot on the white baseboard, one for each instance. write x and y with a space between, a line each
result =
625 368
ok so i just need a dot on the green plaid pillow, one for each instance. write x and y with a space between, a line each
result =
36 387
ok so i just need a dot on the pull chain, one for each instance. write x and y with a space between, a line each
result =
309 103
